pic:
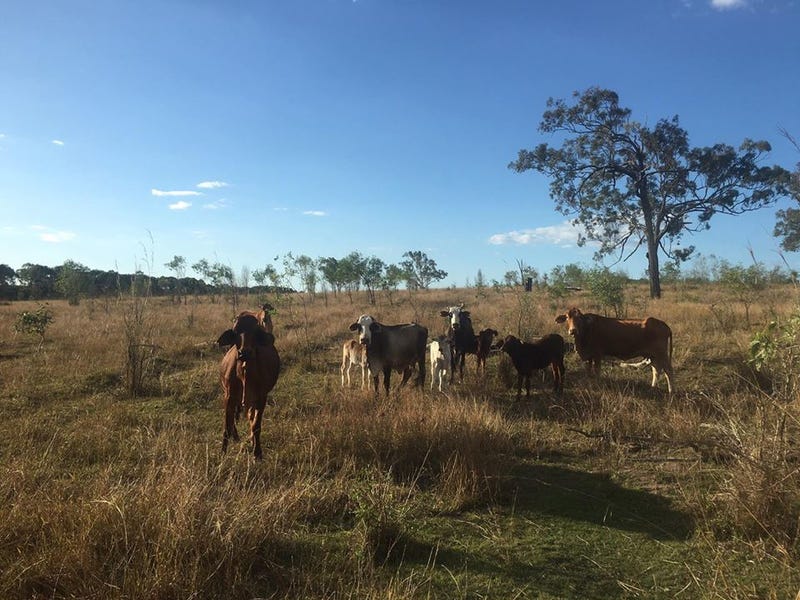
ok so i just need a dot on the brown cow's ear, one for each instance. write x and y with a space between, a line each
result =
228 338
264 338
444 313
561 318
354 327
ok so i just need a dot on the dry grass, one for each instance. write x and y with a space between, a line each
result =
105 495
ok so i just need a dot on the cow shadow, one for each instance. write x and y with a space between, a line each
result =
596 498
554 573
559 495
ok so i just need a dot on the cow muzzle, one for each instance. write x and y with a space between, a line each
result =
573 331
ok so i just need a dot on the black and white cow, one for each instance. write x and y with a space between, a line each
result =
461 336
392 347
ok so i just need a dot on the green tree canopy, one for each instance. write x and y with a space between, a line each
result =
787 226
38 280
420 271
631 186
72 280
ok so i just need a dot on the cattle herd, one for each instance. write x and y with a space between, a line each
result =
251 366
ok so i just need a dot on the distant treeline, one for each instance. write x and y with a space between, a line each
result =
39 282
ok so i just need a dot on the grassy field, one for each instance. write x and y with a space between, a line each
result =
613 490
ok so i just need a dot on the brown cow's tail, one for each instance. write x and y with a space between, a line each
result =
669 347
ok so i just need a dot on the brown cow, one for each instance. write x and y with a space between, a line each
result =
262 316
531 356
597 336
248 372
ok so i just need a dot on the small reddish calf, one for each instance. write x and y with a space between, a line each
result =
528 357
354 354
248 372
485 341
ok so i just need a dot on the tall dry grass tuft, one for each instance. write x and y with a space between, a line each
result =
139 346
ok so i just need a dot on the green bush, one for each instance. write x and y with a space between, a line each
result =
35 322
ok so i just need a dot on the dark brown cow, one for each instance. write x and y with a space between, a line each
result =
528 357
485 341
597 337
248 372
462 337
262 316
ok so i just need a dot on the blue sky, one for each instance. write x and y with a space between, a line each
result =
131 132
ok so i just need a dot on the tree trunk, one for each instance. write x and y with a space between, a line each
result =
652 269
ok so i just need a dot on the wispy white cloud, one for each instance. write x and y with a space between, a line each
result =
156 192
315 213
211 185
57 142
728 4
564 235
217 204
48 234
180 205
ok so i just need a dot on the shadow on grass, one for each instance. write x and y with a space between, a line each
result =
548 572
556 543
595 498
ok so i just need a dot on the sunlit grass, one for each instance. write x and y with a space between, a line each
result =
612 489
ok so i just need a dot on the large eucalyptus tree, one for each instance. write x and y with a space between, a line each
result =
631 186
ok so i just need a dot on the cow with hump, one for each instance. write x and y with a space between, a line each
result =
248 372
462 337
392 347
597 337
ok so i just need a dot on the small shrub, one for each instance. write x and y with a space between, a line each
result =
607 289
35 322
775 353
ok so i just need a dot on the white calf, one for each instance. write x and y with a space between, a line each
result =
440 361
354 354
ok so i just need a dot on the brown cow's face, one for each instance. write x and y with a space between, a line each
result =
246 335
365 326
575 320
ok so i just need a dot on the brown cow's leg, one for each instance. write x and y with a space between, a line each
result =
561 370
255 415
666 370
231 402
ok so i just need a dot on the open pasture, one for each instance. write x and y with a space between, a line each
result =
611 490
